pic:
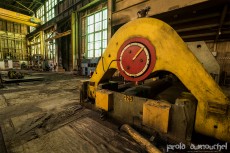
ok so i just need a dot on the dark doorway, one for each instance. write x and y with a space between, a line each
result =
64 46
65 51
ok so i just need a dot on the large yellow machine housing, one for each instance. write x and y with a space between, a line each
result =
172 55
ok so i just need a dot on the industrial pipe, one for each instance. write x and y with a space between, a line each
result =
149 147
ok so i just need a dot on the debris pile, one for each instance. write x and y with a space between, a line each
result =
15 75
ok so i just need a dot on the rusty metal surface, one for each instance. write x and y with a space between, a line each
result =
104 99
202 52
127 107
156 115
182 119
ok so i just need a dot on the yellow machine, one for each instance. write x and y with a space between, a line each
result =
148 48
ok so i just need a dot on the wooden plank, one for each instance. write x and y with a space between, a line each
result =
157 7
59 35
84 135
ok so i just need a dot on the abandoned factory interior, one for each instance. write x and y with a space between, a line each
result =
114 76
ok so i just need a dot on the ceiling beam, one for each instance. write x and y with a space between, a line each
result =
59 35
198 27
24 6
203 35
202 17
39 1
15 7
31 4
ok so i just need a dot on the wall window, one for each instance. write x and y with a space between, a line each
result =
50 46
96 33
32 28
50 9
41 14
36 48
35 45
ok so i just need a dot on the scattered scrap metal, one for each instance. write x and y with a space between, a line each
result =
15 75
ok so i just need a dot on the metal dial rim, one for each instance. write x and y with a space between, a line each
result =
147 60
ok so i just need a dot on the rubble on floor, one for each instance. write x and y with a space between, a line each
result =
45 116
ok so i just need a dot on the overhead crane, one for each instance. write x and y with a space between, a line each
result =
166 88
19 18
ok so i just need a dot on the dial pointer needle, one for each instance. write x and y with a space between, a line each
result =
138 53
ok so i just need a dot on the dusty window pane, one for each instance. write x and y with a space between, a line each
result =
91 38
97 52
90 53
90 28
90 20
90 46
104 34
98 17
105 24
98 26
104 43
97 36
98 45
105 14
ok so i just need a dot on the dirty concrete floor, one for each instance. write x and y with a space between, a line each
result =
45 116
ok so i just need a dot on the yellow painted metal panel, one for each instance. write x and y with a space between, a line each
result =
156 115
104 99
18 21
19 18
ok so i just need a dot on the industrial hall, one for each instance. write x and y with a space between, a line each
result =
114 76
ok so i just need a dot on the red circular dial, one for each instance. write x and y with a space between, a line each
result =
136 59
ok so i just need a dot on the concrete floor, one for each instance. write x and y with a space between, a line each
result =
46 117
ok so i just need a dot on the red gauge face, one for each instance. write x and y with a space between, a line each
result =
136 59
